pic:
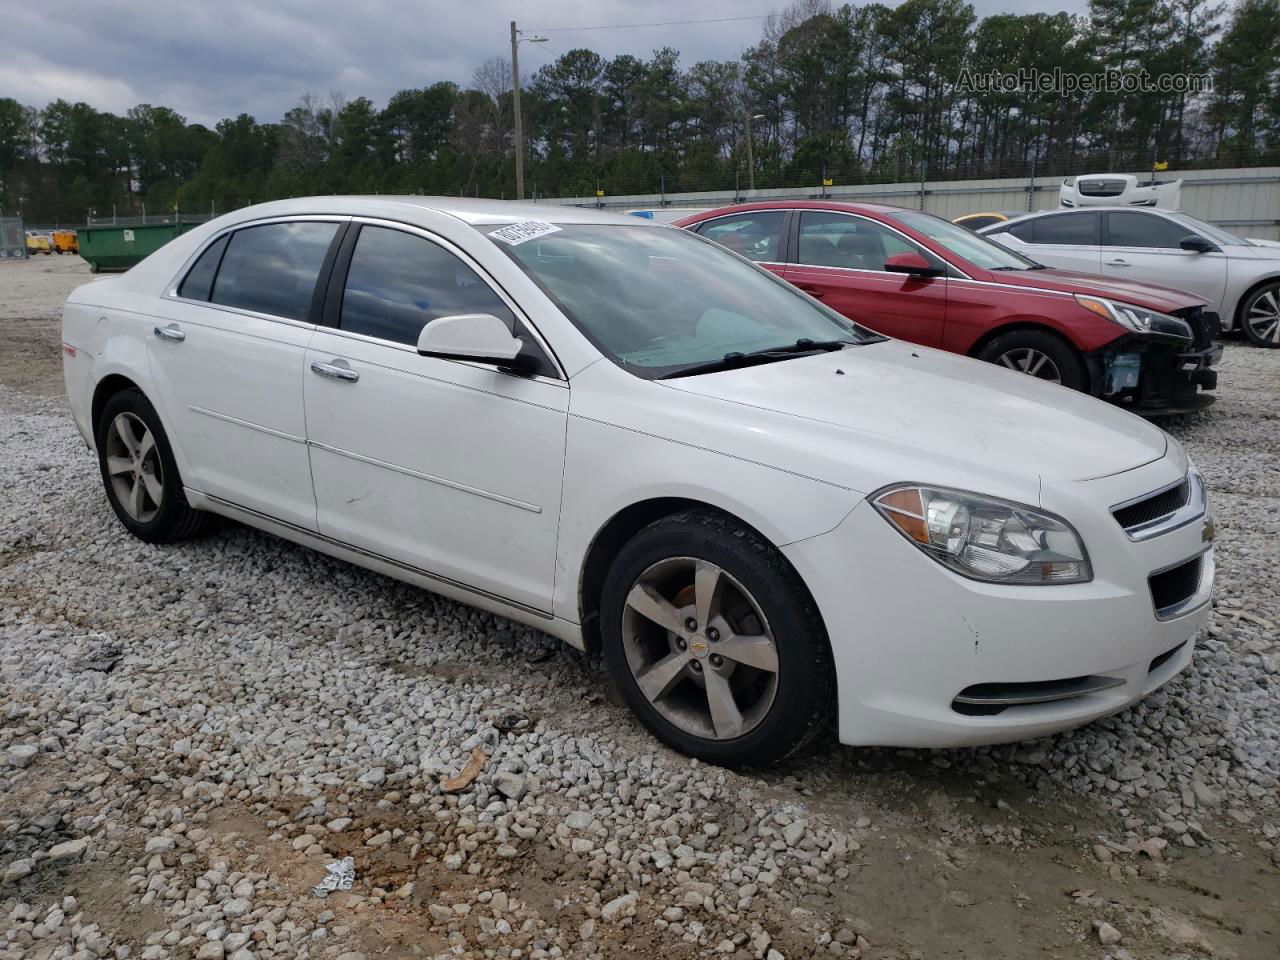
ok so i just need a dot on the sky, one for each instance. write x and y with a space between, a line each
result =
210 59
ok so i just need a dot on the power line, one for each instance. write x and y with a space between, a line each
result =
633 26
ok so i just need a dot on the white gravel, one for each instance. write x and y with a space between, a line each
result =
212 723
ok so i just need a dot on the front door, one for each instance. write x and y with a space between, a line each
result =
840 261
228 364
1147 247
450 467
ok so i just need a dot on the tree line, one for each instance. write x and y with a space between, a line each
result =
855 93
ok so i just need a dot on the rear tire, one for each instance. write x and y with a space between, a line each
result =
748 687
139 473
1037 353
1260 316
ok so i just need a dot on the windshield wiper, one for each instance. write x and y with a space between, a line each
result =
736 358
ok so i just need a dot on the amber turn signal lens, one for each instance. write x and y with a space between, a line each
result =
906 510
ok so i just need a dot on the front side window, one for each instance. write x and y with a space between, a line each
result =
965 244
1222 238
273 268
757 236
398 283
656 300
854 243
1144 230
1067 229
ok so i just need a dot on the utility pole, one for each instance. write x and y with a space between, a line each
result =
516 38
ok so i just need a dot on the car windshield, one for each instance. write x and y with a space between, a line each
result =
1216 234
965 244
659 300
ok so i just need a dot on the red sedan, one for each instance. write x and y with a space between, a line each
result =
914 276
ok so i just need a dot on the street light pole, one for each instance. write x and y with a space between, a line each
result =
516 38
751 166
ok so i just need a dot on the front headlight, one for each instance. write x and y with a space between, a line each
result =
983 538
1137 319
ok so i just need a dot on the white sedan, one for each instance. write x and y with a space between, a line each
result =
1240 278
627 436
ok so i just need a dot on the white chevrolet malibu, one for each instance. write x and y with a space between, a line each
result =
625 435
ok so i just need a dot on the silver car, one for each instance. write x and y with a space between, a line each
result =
1239 278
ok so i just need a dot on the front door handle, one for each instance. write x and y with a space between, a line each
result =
1117 263
171 332
335 370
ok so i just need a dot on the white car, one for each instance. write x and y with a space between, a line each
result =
624 435
1239 278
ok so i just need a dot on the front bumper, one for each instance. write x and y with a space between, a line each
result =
1155 379
909 636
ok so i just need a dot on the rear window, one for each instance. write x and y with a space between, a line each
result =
273 268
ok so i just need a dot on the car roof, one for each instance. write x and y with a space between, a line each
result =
1102 208
874 209
474 211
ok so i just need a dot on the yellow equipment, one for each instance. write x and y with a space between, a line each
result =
38 243
65 241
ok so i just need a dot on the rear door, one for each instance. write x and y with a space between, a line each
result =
839 259
1067 241
1146 247
228 364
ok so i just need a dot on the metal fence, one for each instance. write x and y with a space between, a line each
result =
1245 201
13 239
145 220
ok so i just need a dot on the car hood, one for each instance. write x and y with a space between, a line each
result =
1149 295
892 399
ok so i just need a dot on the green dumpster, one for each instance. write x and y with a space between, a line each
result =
118 246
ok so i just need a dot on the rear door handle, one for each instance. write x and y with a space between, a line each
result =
1117 263
171 332
812 291
335 370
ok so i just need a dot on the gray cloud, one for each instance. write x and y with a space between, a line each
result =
219 58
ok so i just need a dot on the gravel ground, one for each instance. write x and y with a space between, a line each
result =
190 734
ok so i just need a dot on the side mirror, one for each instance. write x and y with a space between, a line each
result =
912 263
1196 243
473 336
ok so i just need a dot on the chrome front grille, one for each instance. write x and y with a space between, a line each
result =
1163 510
1155 507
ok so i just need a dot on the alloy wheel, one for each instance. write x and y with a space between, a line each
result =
1263 317
1032 362
700 649
133 464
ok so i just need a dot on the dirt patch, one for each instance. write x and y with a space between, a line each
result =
31 296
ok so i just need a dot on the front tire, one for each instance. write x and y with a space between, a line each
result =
1039 354
139 472
714 641
1260 316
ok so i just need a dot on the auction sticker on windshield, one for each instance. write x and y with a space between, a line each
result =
517 233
